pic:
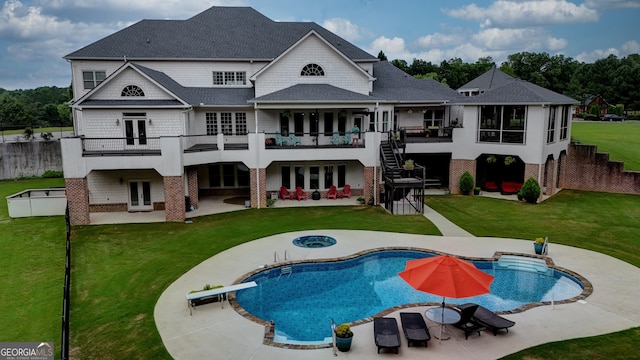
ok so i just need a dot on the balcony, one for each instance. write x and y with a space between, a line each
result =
139 146
275 141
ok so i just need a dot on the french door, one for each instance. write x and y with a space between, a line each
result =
140 195
135 131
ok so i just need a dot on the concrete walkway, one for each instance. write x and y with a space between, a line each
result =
446 227
215 332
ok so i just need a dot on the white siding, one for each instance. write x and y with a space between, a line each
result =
104 123
286 71
113 89
105 187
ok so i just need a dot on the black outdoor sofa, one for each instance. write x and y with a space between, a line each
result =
386 333
487 318
414 328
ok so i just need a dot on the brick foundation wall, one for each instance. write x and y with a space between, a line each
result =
77 191
120 207
262 192
192 186
456 169
584 168
174 199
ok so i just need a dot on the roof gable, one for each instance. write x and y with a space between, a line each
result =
519 92
489 80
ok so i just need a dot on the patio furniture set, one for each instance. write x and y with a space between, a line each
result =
300 194
470 318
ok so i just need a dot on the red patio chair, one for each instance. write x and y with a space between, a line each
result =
346 191
300 194
333 193
285 194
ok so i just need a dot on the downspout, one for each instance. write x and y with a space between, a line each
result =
377 153
255 107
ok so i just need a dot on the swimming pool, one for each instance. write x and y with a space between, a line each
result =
303 301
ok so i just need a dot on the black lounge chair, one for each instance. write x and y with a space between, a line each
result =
467 323
386 333
414 328
489 319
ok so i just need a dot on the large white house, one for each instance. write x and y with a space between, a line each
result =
232 103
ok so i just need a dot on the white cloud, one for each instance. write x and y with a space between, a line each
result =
438 39
508 13
343 28
393 48
630 47
146 9
590 57
28 22
467 52
528 39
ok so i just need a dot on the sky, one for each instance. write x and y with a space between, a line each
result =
35 35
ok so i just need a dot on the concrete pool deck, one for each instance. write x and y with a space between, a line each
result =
222 333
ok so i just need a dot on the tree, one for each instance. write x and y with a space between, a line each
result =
382 56
12 111
400 64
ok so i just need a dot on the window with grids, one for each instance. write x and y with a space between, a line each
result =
564 123
92 79
132 90
226 123
241 123
312 70
227 78
212 123
502 124
551 126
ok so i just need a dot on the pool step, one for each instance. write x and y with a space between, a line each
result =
285 270
521 263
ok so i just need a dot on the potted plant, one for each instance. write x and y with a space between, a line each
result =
509 160
491 159
344 335
538 244
477 190
530 190
360 200
371 201
408 164
271 202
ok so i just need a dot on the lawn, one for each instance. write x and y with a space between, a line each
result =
119 271
32 270
620 139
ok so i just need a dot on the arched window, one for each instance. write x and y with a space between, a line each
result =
312 70
132 90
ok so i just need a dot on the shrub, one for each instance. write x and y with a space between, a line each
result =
50 174
530 190
466 183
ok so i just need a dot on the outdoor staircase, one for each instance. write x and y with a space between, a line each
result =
390 161
522 263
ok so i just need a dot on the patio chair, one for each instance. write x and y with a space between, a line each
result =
385 331
279 139
347 139
466 323
346 192
332 193
285 194
414 328
489 319
293 140
335 139
300 194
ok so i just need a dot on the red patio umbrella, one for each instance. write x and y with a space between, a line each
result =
446 276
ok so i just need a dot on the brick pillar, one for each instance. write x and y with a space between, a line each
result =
262 192
174 205
77 191
192 186
532 170
456 169
368 190
550 176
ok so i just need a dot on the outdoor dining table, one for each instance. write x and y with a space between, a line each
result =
443 316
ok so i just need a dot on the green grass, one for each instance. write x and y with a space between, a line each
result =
119 271
620 139
32 270
37 130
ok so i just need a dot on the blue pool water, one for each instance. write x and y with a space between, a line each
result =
303 303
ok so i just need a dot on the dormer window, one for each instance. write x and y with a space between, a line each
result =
132 90
312 70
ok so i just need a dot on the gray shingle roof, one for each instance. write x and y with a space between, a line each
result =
314 93
489 80
519 92
394 85
200 95
217 33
